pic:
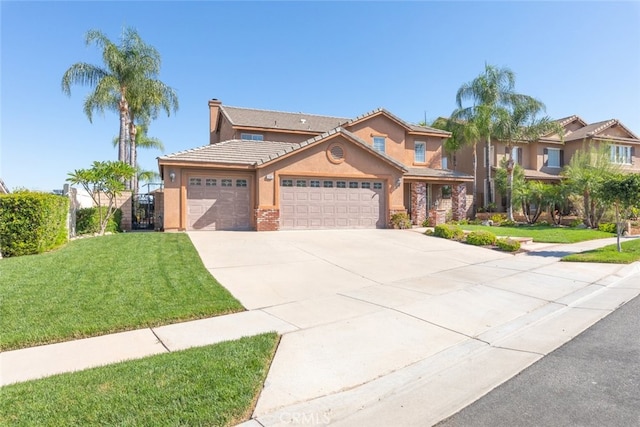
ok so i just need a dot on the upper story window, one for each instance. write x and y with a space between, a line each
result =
621 154
252 136
553 157
420 152
379 143
516 154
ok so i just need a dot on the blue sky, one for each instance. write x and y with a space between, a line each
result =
333 58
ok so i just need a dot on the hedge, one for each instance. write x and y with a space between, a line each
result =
32 223
88 220
481 238
508 245
448 231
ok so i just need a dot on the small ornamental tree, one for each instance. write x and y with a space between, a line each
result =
104 180
624 192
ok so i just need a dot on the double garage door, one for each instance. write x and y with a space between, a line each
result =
218 203
308 203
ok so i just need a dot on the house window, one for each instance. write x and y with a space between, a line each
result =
314 184
420 152
365 185
195 181
446 191
210 182
491 155
353 184
327 184
445 162
341 184
379 143
241 182
287 183
516 154
252 137
553 157
621 154
301 183
377 186
227 183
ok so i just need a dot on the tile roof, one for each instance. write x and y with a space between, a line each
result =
438 173
255 153
247 117
235 151
536 174
595 128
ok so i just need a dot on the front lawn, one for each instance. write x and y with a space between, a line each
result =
215 385
543 233
609 254
106 284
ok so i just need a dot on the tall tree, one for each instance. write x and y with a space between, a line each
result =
491 94
586 173
517 124
463 133
125 83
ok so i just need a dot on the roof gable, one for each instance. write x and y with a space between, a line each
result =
608 129
407 126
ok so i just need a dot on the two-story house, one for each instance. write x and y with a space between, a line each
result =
544 159
271 170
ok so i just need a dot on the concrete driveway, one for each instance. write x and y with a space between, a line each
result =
390 327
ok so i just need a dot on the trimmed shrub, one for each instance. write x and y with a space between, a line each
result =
498 219
481 238
448 231
88 220
401 220
608 227
508 245
507 223
32 223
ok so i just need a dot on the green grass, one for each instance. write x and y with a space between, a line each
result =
106 284
215 385
609 254
543 233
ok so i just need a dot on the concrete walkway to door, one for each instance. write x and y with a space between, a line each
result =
391 327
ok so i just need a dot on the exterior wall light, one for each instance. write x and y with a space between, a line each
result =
172 176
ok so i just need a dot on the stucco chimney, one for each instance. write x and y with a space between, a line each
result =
214 114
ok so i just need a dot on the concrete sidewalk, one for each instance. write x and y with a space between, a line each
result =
380 326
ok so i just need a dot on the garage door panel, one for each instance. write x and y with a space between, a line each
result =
213 207
333 204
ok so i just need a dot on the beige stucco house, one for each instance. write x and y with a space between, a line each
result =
543 160
270 170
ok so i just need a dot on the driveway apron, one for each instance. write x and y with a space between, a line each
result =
394 327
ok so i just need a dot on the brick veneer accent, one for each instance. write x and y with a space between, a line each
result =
418 202
267 219
437 217
459 201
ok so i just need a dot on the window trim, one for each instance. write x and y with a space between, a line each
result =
384 143
558 150
424 152
615 158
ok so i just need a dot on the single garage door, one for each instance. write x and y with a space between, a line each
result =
218 203
308 203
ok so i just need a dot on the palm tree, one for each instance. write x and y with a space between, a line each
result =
125 83
520 124
462 133
491 93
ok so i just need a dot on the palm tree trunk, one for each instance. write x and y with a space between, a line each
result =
133 154
475 180
510 167
488 165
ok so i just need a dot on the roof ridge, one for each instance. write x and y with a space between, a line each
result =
605 124
284 112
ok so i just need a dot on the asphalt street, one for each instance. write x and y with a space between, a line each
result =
593 380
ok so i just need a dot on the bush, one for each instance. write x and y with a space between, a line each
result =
88 220
576 223
508 245
507 223
401 220
429 232
498 219
426 223
481 238
32 223
607 227
448 231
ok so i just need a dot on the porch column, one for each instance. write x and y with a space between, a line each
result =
459 201
418 202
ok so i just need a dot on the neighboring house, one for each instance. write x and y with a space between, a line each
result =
3 188
544 159
269 170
